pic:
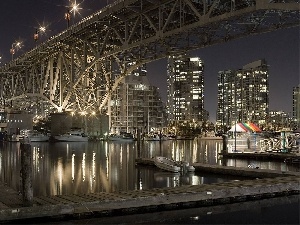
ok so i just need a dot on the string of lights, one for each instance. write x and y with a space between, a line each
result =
72 13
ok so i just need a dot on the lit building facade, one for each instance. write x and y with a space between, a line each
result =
296 106
278 120
243 95
185 89
137 105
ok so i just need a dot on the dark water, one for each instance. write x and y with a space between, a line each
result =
75 168
283 210
66 168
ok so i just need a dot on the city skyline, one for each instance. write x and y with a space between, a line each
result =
283 60
279 48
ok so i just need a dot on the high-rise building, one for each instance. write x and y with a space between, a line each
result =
185 89
226 95
296 106
243 95
137 104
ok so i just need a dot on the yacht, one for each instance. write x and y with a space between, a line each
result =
121 137
35 136
72 136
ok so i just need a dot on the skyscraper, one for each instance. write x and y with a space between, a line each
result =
243 95
296 105
185 87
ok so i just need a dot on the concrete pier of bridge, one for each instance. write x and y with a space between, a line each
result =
261 184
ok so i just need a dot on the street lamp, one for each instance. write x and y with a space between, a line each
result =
40 30
68 17
73 8
15 47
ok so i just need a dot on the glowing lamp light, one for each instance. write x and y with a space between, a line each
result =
42 29
36 36
12 51
68 15
14 47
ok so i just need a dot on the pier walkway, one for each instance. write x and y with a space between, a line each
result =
267 184
283 157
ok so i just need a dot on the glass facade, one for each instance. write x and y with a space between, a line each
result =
185 88
296 105
243 95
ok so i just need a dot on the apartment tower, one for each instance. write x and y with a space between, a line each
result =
136 104
185 87
296 106
243 95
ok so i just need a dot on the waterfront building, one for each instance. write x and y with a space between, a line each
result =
243 95
296 106
136 104
185 89
13 121
226 106
278 120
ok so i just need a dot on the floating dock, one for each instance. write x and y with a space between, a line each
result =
267 184
283 157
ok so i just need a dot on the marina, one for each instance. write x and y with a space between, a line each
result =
268 184
127 107
86 173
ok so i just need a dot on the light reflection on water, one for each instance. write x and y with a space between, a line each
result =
75 168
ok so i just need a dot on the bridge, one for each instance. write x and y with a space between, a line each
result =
79 68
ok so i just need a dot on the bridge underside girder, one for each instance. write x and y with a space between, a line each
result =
78 69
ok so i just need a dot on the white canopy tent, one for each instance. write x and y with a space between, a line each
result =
237 128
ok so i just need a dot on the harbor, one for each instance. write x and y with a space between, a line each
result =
143 188
127 107
267 184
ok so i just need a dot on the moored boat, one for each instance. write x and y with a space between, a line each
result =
72 136
152 137
34 135
127 137
209 136
171 165
166 164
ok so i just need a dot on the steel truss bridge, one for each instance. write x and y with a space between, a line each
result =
79 68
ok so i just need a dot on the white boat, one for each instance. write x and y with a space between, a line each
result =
72 136
209 136
152 137
35 136
171 165
38 137
166 164
127 137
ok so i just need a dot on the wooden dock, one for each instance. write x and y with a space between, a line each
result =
282 157
266 184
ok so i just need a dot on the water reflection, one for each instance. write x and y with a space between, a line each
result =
74 168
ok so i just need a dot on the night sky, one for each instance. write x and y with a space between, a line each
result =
20 18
